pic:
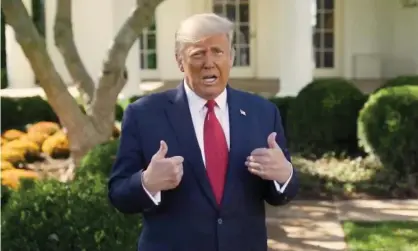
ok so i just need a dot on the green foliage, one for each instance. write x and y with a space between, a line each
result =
134 98
283 104
5 195
99 160
323 118
9 114
387 127
52 216
400 81
118 112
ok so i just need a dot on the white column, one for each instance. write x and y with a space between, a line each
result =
295 46
20 72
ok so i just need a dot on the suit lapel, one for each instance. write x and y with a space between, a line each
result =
180 119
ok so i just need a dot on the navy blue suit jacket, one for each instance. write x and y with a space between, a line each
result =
188 217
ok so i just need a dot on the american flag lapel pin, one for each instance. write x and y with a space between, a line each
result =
242 112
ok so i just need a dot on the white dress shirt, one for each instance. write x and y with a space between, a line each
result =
198 110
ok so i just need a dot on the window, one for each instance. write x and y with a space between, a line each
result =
324 33
148 48
238 12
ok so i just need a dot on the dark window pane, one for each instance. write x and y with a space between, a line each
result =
230 12
152 60
217 8
152 27
141 42
329 20
328 59
317 40
329 4
319 23
151 42
318 60
244 36
143 62
319 4
329 40
244 13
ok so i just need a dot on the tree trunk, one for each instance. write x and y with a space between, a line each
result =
64 40
84 130
82 134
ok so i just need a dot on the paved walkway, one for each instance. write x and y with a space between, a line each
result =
315 225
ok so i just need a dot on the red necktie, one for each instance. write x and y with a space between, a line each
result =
216 151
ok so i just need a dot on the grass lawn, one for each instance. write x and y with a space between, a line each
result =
381 236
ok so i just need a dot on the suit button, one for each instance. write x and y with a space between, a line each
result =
220 221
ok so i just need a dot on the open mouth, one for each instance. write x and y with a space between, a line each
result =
210 79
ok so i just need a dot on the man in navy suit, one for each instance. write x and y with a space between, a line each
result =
200 161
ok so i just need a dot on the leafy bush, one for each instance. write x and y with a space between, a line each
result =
9 113
35 109
18 112
400 81
283 105
5 195
387 128
118 112
52 216
99 160
323 118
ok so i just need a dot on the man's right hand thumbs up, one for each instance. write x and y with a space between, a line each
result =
163 173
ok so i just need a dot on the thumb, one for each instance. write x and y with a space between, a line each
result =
162 152
271 140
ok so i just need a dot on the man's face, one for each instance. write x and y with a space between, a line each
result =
206 65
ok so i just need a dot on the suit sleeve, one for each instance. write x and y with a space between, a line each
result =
272 194
125 189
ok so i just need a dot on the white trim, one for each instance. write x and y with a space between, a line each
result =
146 74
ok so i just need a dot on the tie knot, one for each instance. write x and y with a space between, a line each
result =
211 104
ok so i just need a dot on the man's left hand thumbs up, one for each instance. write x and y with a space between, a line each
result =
269 163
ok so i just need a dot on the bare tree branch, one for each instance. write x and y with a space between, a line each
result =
34 48
64 40
112 79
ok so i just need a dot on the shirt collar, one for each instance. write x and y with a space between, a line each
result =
196 101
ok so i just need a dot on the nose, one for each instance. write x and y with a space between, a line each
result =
209 62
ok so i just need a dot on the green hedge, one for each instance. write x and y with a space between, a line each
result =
52 216
400 81
323 118
283 104
388 126
18 112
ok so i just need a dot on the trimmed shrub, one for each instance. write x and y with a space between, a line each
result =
5 195
99 160
387 128
283 104
9 113
53 216
36 109
400 81
323 118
